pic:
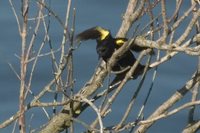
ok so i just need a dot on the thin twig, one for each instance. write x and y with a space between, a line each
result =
133 98
170 102
16 16
166 114
31 46
52 13
22 124
96 110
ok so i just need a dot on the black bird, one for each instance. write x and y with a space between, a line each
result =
106 45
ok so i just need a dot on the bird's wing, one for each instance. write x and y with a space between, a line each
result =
93 33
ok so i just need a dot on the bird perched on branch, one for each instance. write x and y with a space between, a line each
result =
106 45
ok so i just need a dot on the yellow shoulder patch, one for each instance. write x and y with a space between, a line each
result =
104 32
119 42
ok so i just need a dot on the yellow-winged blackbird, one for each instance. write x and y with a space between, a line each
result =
106 45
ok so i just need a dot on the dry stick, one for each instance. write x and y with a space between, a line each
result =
62 120
153 79
169 56
43 54
143 128
14 126
194 98
175 14
52 13
150 89
170 102
85 125
55 66
155 71
105 96
70 70
133 98
195 2
30 48
167 114
40 104
31 105
53 58
16 16
132 124
13 69
37 56
120 87
148 94
34 102
192 128
130 16
141 41
70 56
1 126
188 29
33 67
175 18
180 20
152 44
65 35
152 19
195 90
30 120
96 110
65 31
35 18
59 81
177 23
150 6
28 88
10 120
46 29
165 24
172 35
126 22
23 64
195 93
152 30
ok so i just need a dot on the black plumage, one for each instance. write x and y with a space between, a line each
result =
106 45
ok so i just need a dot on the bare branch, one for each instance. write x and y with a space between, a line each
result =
170 102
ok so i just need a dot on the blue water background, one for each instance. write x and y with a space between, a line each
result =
171 75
